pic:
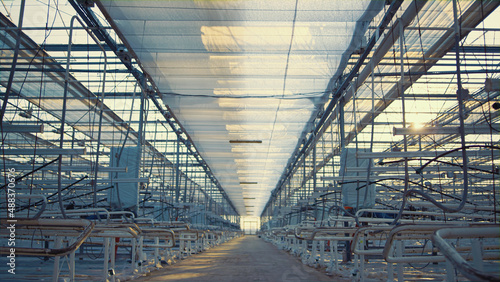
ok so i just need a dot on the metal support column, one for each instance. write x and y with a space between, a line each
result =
177 170
461 108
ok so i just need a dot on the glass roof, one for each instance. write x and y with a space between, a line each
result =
245 78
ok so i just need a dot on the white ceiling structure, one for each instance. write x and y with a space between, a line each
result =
244 77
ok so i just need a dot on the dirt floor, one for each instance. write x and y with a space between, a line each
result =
243 259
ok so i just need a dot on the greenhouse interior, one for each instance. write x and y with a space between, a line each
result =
250 140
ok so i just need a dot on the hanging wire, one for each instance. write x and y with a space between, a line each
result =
284 81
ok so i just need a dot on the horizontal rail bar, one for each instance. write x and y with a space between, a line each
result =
441 130
21 128
68 181
67 167
80 212
122 230
439 168
424 154
44 202
47 152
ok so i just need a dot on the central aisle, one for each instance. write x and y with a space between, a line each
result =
243 259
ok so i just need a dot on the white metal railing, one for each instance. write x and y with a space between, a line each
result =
471 271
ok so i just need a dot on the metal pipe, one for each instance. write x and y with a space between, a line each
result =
184 233
468 206
327 115
75 168
158 232
461 108
131 214
166 114
436 28
377 232
31 196
173 223
456 259
425 213
314 231
8 88
82 212
21 128
121 180
122 230
56 269
412 231
46 152
63 117
59 224
31 172
145 219
484 168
